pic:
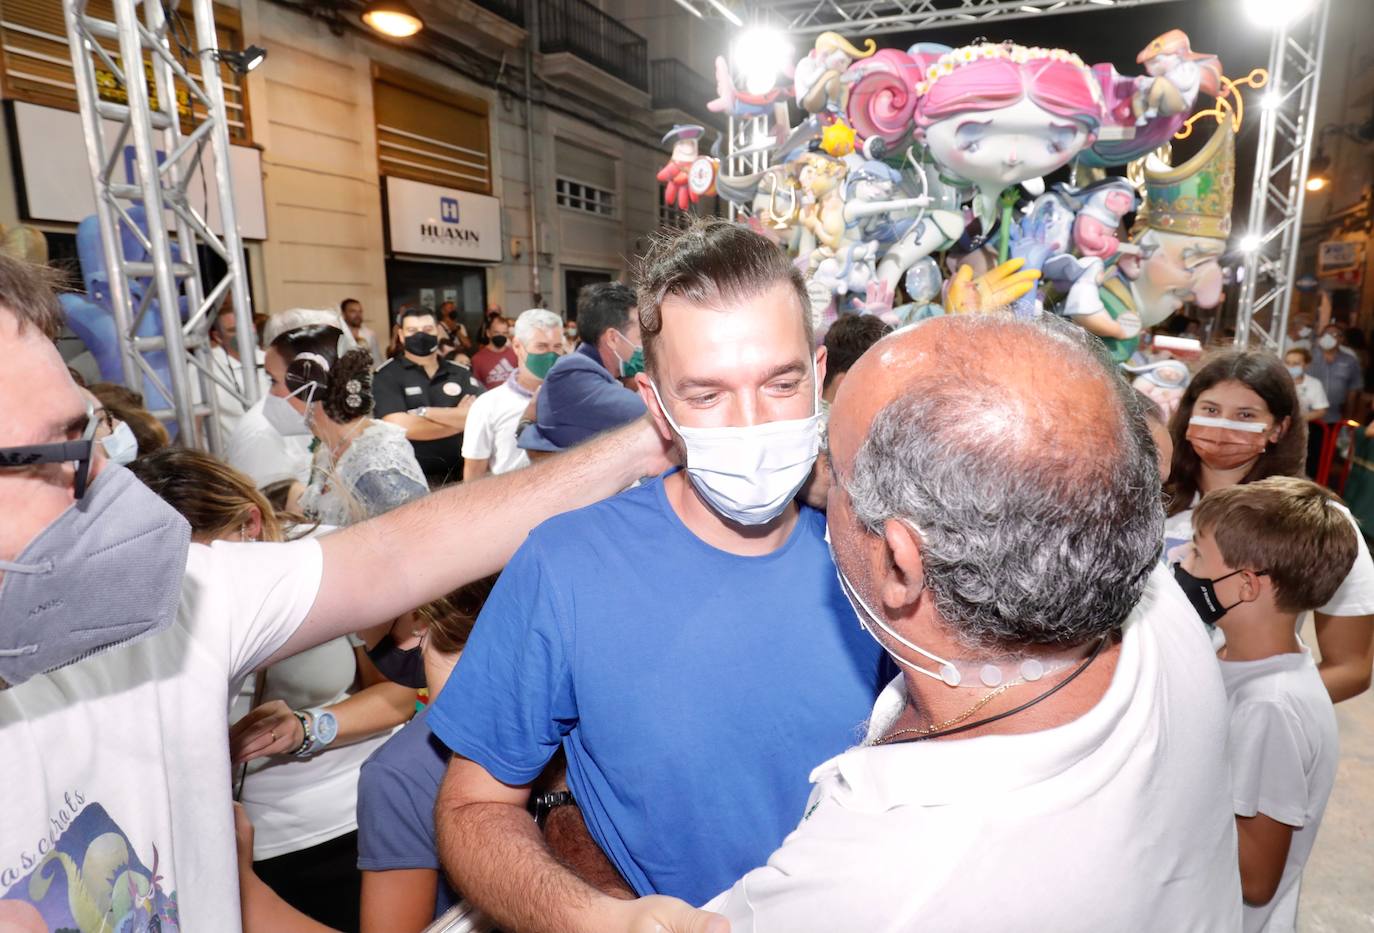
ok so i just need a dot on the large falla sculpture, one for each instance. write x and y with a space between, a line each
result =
928 159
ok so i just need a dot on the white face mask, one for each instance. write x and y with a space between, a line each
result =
1327 342
1295 372
749 474
121 446
284 419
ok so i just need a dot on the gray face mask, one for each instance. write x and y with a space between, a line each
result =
106 572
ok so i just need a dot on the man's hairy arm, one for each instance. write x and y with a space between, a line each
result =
495 855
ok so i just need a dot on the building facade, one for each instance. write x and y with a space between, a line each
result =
440 167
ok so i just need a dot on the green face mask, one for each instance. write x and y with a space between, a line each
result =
634 365
539 364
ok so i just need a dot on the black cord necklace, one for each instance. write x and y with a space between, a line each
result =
1011 712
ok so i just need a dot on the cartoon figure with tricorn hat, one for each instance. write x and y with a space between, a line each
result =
677 193
1176 74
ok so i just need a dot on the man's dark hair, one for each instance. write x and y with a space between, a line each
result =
603 306
711 262
413 311
348 301
28 291
848 339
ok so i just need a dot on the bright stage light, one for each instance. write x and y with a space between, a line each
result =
1275 14
1249 243
761 54
1271 101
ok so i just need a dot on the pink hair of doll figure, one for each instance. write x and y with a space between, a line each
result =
994 116
999 115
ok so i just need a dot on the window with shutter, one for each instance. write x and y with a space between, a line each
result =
430 134
36 64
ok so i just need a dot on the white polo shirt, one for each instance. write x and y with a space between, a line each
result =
491 430
1119 820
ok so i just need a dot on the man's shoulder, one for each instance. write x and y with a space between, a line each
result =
637 511
572 363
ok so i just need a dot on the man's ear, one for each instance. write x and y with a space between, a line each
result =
903 576
646 395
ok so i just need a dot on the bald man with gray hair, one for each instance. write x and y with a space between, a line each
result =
1052 755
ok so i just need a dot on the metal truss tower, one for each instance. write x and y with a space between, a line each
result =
170 130
1274 225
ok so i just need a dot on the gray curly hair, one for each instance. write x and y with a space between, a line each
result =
1040 517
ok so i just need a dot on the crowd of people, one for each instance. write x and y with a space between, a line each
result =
672 617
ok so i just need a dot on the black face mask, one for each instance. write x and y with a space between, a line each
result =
1202 593
498 341
404 666
421 344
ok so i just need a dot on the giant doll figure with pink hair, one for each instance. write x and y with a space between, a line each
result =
991 117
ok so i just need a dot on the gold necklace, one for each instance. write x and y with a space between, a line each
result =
938 727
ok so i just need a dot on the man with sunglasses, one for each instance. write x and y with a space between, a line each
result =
119 639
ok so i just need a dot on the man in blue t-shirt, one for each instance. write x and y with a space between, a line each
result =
686 642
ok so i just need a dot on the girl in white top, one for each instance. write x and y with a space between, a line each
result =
315 717
1240 420
1311 393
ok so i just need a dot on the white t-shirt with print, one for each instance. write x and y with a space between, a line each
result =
115 770
490 431
1284 747
1354 597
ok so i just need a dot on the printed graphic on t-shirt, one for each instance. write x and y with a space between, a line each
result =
502 371
83 877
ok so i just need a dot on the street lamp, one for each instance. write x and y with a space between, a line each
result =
1318 170
760 55
395 18
1275 14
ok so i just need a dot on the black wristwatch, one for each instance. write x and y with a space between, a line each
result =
543 804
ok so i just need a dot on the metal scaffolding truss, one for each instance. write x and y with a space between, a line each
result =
872 17
1274 224
170 133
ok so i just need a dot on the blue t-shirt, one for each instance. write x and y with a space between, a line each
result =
693 690
397 787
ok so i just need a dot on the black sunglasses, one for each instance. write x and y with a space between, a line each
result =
78 452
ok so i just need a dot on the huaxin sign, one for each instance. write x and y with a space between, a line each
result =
427 220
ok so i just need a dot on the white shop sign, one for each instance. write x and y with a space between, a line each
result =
57 176
427 220
1337 256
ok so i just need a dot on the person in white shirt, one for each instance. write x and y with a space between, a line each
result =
1311 394
1261 554
1239 421
352 311
119 640
1053 755
227 371
491 436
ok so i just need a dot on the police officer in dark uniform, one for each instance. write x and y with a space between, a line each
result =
427 396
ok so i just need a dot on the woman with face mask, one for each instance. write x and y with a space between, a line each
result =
302 728
363 466
1240 421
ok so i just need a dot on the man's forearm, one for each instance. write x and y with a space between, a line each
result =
494 854
567 836
412 547
423 429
